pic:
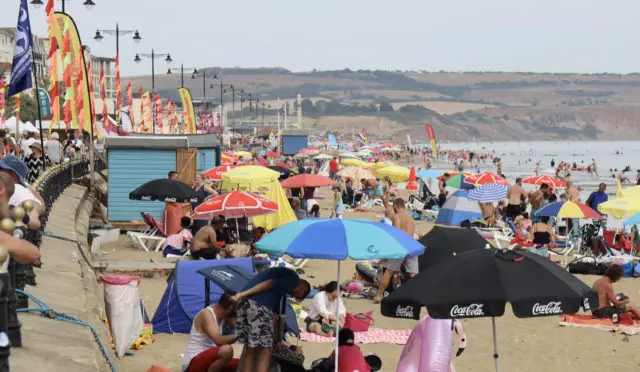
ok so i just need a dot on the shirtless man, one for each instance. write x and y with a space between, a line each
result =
489 213
594 168
515 195
205 243
402 220
573 194
609 304
536 198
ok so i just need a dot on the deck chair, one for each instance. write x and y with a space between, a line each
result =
154 237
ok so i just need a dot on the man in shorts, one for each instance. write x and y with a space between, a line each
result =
255 313
402 220
609 302
516 196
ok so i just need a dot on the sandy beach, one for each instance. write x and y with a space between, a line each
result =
523 344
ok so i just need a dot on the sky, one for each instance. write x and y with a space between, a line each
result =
584 36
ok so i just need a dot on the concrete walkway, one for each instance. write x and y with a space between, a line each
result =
66 284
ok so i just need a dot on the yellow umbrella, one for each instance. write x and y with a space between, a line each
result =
621 207
376 166
395 172
284 214
356 174
244 154
629 191
353 162
248 178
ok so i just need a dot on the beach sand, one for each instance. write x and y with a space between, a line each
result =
538 344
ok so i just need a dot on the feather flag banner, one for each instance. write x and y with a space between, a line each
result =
157 107
94 126
130 101
79 85
141 124
103 96
118 91
169 119
147 114
16 109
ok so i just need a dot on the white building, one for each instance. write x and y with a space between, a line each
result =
41 49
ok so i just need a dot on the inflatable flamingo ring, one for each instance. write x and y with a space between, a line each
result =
429 346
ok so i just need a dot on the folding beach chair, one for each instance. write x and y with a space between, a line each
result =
151 238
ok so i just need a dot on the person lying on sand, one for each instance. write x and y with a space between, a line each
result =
609 302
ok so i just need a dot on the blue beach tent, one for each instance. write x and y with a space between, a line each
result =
458 208
184 295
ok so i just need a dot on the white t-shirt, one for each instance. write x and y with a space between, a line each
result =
21 194
25 146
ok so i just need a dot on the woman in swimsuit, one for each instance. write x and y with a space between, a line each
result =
543 236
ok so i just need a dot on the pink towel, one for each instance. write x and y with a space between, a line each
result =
372 336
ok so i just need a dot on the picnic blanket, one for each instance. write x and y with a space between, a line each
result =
626 326
372 336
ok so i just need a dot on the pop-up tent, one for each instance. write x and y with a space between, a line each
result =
184 296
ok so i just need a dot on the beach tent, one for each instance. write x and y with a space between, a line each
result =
184 295
458 208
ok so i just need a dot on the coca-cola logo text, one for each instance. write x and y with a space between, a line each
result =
552 308
467 311
404 312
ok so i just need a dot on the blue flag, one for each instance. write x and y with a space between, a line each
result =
21 67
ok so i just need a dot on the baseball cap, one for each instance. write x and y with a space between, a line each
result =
17 166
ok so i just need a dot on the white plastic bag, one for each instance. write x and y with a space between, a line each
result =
122 301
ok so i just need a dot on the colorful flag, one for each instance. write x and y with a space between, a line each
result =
169 118
130 99
2 102
21 67
157 107
147 115
94 126
103 96
142 122
16 109
79 81
432 138
118 91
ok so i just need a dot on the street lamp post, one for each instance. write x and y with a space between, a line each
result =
136 38
153 55
182 70
38 3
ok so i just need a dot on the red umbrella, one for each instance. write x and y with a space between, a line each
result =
309 151
307 180
486 178
272 154
217 172
539 180
235 204
412 183
282 164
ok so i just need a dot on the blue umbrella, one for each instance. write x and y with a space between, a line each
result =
338 239
489 193
429 173
633 220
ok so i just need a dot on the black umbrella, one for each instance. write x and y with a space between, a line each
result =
284 172
479 283
166 190
444 242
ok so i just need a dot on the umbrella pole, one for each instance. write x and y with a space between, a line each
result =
237 230
495 344
338 317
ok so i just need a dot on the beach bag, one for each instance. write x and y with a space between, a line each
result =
122 303
358 322
587 268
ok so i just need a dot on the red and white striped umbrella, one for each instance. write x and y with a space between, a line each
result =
539 180
309 151
486 178
235 204
217 172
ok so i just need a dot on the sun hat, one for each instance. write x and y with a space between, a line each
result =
36 146
17 166
55 135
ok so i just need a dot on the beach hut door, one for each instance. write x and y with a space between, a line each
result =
186 160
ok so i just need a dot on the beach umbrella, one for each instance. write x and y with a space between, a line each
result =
348 154
628 192
490 192
486 178
619 208
309 151
339 239
379 165
480 282
323 157
242 154
272 154
353 162
633 220
445 242
249 177
412 182
459 181
568 209
458 208
429 173
165 190
307 180
282 164
356 174
284 172
217 172
395 172
539 180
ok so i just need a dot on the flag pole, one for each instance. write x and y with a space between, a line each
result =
35 78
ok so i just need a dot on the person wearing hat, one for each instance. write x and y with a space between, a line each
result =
26 142
35 162
17 170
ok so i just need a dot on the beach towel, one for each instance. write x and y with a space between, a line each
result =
372 336
627 325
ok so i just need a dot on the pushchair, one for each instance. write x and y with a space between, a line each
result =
425 201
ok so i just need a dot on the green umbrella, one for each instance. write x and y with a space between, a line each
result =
458 182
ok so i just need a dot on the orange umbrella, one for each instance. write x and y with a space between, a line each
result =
307 180
486 178
217 172
412 183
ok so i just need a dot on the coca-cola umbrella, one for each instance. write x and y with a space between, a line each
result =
165 190
480 282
